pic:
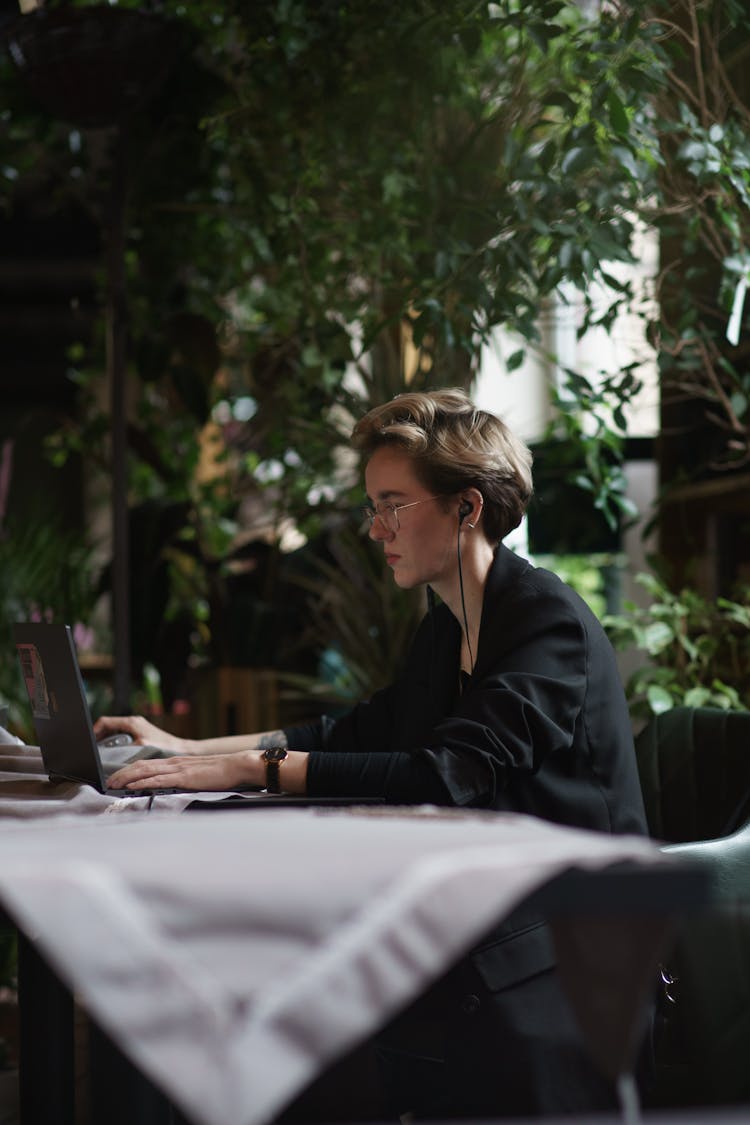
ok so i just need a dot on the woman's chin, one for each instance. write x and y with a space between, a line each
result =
405 581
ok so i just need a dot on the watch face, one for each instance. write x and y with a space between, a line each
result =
274 754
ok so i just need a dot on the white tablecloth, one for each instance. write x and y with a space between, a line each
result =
233 956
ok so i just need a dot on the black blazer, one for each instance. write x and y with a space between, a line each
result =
542 727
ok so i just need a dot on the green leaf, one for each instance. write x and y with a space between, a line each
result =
311 356
543 33
618 115
657 637
739 403
697 697
577 159
659 699
515 360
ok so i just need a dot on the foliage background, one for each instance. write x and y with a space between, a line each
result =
328 201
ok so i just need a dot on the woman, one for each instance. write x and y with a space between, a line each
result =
511 700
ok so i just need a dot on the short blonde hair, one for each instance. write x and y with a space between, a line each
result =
454 446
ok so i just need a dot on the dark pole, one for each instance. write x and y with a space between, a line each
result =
94 67
117 331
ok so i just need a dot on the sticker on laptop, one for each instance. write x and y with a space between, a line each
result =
36 685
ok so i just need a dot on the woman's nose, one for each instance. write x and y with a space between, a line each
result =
379 531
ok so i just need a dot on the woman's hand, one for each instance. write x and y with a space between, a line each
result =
142 732
217 771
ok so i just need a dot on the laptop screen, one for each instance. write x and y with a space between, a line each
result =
59 707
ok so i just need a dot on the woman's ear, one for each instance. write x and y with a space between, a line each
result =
468 505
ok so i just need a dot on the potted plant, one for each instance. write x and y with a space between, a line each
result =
695 651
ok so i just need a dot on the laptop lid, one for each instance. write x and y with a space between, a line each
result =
59 707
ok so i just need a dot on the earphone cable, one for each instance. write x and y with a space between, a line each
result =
463 602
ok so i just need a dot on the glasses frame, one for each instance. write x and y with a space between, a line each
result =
372 514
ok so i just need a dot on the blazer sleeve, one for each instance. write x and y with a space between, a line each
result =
357 756
367 728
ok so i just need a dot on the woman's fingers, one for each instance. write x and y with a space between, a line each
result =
136 774
140 730
218 772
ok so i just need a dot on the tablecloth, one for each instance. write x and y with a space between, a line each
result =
233 957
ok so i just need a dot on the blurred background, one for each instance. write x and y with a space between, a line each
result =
227 230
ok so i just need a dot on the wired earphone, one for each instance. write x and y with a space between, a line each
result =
464 509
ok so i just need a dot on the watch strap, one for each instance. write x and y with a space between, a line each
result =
273 757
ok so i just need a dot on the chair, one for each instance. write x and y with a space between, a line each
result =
694 765
703 1045
695 774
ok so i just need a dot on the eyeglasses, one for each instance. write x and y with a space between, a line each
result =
388 513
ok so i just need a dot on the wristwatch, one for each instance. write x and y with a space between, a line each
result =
273 757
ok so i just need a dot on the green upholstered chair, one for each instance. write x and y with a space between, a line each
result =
694 765
695 774
703 1043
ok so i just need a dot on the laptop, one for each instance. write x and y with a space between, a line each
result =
65 733
60 710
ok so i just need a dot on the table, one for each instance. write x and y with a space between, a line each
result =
234 957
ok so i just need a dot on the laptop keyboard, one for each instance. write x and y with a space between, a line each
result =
143 792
